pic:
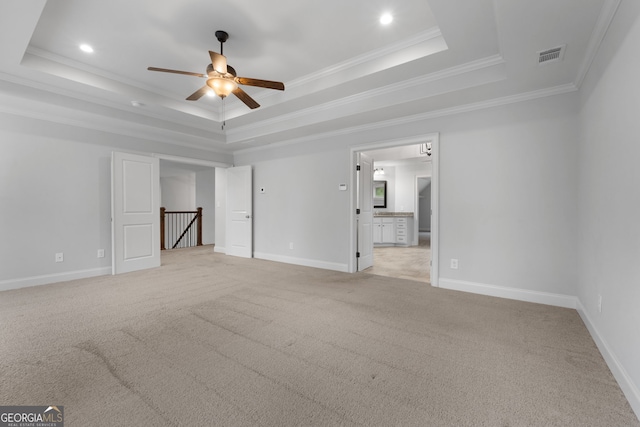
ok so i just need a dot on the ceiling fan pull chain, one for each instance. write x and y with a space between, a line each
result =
224 122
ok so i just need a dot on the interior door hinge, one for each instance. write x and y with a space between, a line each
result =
357 211
357 254
357 167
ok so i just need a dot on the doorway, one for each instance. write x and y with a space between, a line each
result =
188 183
409 181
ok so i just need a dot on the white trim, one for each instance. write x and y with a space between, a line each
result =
435 243
434 271
558 300
113 126
629 388
608 11
46 279
191 161
416 118
378 54
219 249
302 261
348 70
73 94
292 117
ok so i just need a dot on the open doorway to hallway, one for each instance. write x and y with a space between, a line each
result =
184 188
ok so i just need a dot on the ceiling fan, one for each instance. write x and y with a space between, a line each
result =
222 78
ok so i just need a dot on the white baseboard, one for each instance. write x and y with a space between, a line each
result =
25 282
302 261
219 249
557 300
629 388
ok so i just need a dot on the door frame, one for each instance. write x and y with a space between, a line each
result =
199 162
434 138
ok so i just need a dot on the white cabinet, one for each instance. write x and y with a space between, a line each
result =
388 230
392 230
384 230
401 231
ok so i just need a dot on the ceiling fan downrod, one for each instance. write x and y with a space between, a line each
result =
222 37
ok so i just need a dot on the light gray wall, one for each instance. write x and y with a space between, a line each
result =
405 187
303 205
508 197
178 192
220 208
609 202
55 196
205 199
424 211
508 194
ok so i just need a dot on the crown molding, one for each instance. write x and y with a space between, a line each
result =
607 13
469 67
432 38
43 61
374 55
492 103
56 114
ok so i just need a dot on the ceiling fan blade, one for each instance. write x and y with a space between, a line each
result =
198 94
166 70
260 83
231 70
244 97
219 62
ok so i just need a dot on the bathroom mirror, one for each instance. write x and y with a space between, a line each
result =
379 194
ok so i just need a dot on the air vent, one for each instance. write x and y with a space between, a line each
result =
551 55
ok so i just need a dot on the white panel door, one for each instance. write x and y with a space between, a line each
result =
365 217
135 212
239 230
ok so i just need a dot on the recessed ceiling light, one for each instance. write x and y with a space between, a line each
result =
86 48
386 19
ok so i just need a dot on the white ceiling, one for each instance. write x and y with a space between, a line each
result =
341 68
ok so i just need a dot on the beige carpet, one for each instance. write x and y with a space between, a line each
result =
214 340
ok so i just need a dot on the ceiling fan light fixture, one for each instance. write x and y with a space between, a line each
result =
221 86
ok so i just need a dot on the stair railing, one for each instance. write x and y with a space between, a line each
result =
180 229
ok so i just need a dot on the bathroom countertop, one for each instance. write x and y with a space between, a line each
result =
394 214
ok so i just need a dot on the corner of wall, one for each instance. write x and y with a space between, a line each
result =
629 388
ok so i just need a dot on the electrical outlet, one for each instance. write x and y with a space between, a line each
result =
290 245
599 303
454 264
100 253
59 257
